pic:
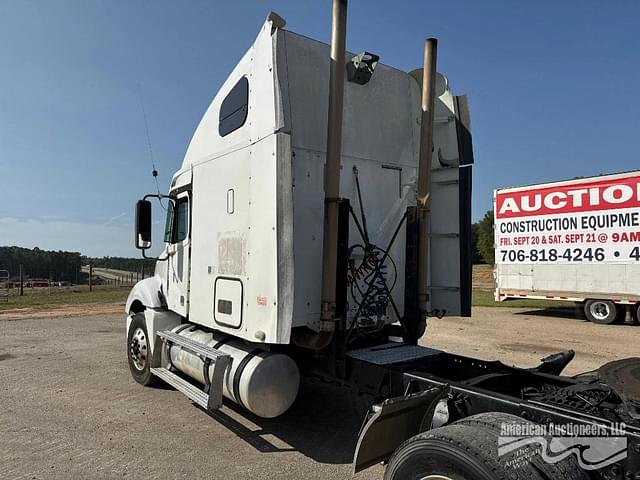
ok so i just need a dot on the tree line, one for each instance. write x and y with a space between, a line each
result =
61 266
482 240
122 263
36 263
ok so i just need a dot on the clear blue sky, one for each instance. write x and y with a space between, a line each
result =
553 91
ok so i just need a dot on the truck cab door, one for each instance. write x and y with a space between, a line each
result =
178 238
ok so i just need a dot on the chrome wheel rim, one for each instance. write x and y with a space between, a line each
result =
435 477
599 310
138 349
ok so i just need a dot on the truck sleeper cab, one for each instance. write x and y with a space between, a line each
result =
249 196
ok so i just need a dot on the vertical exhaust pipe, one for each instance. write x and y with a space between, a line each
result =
332 171
424 170
318 341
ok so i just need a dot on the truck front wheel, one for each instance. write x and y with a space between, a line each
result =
604 312
139 351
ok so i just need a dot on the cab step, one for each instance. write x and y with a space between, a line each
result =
194 393
211 397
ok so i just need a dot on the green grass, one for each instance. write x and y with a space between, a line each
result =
43 300
484 298
481 298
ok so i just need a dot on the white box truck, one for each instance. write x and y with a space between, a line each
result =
576 240
321 214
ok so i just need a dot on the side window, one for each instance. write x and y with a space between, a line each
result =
177 227
234 108
169 223
182 220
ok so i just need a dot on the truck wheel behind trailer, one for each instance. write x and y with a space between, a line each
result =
139 351
455 452
603 312
492 422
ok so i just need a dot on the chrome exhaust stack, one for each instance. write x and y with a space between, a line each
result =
332 174
424 171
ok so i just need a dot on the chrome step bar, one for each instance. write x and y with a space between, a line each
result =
211 397
194 393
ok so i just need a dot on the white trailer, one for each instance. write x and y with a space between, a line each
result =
313 227
576 240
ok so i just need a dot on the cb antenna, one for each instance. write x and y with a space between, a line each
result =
154 170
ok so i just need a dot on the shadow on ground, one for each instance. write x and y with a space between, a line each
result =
322 424
569 313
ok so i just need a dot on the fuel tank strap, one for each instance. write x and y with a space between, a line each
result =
238 374
182 327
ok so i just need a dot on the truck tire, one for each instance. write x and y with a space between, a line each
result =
603 312
455 452
492 422
139 351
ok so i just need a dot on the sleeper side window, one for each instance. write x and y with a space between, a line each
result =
234 108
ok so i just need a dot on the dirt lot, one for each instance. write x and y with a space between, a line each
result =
483 276
71 410
80 310
522 336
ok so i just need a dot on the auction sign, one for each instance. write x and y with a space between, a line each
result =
591 220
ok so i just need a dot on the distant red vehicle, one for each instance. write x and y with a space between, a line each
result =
36 283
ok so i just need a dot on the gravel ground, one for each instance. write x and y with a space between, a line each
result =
71 410
522 336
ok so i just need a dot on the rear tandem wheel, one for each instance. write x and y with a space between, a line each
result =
603 312
468 450
454 452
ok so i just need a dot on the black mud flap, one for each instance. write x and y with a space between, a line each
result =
392 422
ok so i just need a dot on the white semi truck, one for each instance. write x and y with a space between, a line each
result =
315 224
576 240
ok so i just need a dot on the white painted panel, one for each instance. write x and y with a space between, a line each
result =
261 286
379 117
219 239
589 279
